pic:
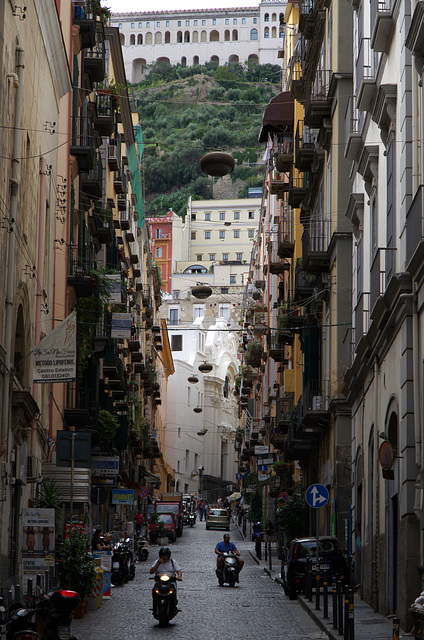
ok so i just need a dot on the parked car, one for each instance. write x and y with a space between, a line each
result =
331 560
168 520
257 532
218 519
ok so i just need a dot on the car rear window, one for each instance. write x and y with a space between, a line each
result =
218 512
165 518
308 548
170 508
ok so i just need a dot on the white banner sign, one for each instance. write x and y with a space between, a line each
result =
121 325
55 357
261 449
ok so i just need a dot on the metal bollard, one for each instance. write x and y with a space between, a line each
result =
269 556
396 624
258 549
317 588
340 606
351 615
29 591
334 592
346 613
308 578
18 592
325 595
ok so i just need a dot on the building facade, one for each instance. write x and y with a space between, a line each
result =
190 37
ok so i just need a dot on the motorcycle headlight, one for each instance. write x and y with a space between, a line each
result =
164 578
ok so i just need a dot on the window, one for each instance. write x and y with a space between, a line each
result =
222 235
266 32
225 256
232 279
224 290
187 23
193 216
226 387
243 20
222 215
198 311
207 216
158 234
266 19
253 34
167 23
227 21
120 25
132 25
251 233
195 23
203 23
140 24
147 25
193 235
236 233
158 252
176 294
224 310
251 215
173 316
213 21
239 257
179 23
234 20
199 257
207 235
212 257
179 435
132 39
236 215
255 20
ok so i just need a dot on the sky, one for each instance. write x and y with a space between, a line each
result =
165 5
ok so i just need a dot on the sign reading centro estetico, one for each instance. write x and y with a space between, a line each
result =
55 356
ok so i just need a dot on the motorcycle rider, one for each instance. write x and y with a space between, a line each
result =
227 547
164 565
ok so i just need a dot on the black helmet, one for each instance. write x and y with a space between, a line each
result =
164 551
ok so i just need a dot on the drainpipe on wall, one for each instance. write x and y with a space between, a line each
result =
377 487
10 281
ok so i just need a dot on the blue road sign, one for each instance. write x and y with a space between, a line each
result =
317 496
238 476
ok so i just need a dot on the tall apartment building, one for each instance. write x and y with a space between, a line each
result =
193 37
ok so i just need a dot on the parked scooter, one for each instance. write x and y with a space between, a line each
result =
123 564
19 623
164 599
230 572
142 549
191 519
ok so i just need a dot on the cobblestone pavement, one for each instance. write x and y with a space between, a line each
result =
254 609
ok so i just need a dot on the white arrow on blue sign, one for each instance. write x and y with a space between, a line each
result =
317 496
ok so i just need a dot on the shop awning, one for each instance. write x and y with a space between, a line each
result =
278 115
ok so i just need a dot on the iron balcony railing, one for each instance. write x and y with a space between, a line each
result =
81 260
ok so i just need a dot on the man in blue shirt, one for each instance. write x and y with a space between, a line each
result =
227 547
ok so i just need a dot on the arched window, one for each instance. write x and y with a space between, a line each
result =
183 61
167 37
158 37
253 59
196 60
140 38
122 39
266 32
235 35
274 32
132 39
186 36
226 387
139 67
226 35
195 37
214 36
274 17
149 38
158 252
195 268
163 60
253 34
266 17
179 36
215 59
203 36
233 59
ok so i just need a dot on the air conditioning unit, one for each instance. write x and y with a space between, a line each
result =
33 468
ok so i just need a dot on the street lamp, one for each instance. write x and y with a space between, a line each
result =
217 164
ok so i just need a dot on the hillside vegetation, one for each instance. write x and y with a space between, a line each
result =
188 111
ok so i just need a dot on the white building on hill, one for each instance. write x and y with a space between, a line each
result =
197 36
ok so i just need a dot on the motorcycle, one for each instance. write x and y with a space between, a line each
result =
142 549
164 599
230 572
191 519
18 624
123 564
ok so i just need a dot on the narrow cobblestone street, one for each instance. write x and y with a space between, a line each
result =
255 608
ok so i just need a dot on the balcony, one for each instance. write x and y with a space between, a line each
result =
297 189
101 226
118 181
283 151
415 226
415 38
353 128
284 413
80 265
122 201
84 15
112 364
295 78
82 143
314 247
278 349
382 24
304 284
104 120
304 148
114 155
94 62
366 75
307 20
298 447
315 416
277 266
378 278
125 220
91 182
318 106
362 316
278 185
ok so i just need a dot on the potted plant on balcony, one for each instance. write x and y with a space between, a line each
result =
107 425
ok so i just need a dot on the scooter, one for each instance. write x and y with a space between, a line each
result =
191 519
230 572
18 624
142 549
57 612
165 599
120 569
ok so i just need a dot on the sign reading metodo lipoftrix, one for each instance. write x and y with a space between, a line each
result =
55 357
